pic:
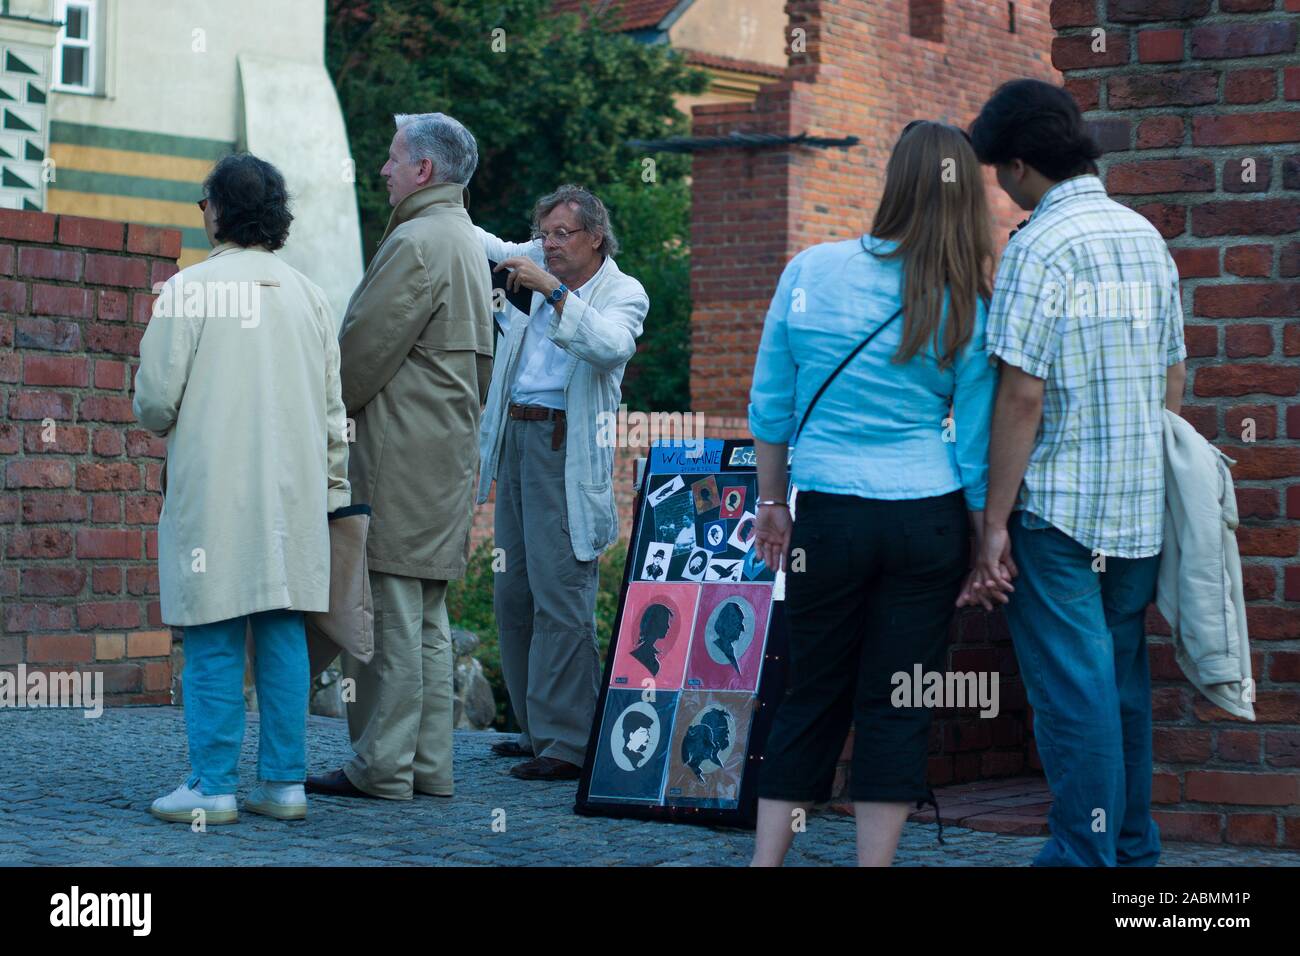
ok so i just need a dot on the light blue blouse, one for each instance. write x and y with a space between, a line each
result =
879 431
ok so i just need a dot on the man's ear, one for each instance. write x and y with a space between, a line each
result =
425 175
1019 169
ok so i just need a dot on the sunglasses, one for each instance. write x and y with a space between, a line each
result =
915 123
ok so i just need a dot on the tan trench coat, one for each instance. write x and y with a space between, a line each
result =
239 368
417 361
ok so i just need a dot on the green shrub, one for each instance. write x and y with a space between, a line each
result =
469 606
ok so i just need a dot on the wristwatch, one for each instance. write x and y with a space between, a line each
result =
558 294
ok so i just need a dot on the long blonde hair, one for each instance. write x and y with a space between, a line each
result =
935 208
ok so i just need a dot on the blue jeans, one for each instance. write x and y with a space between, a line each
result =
214 699
1081 643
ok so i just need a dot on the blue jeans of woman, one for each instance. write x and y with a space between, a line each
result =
214 699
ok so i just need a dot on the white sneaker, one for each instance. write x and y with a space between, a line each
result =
180 805
284 801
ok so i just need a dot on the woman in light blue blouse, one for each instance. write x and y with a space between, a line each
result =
891 470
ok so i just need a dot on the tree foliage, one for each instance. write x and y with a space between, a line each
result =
550 101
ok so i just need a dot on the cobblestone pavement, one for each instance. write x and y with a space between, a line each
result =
75 791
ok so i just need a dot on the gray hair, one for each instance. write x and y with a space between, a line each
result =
592 212
443 141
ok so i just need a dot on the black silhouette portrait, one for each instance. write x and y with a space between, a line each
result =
706 741
655 621
696 564
727 630
636 737
655 569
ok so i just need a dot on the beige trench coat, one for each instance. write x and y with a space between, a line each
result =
417 361
239 368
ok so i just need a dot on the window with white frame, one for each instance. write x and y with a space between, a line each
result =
75 55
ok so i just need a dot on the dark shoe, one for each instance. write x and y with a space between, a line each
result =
335 784
509 748
546 768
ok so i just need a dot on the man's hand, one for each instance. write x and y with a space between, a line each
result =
527 274
772 529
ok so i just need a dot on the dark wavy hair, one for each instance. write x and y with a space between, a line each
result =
1038 123
251 199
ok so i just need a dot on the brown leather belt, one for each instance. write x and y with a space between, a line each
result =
540 413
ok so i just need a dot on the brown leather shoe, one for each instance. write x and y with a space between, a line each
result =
546 768
509 748
335 784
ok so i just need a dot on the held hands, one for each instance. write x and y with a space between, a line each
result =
989 581
772 534
527 274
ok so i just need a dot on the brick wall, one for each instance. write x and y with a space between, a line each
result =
1198 106
1182 94
79 483
855 70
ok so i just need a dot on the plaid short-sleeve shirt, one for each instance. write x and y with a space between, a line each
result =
1087 299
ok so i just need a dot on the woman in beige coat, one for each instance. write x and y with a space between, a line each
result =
239 369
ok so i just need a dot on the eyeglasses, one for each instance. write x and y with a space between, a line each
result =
561 236
203 204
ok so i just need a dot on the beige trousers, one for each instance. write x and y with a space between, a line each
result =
545 599
401 719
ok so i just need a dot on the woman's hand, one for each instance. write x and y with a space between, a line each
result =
772 528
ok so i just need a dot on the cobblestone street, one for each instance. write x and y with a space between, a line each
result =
75 792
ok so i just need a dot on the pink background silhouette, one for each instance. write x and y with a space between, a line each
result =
713 674
629 672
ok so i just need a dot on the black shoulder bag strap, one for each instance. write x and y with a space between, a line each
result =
849 358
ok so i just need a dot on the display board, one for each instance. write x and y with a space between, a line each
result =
697 658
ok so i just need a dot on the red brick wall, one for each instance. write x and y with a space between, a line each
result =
1182 93
855 70
1185 91
78 578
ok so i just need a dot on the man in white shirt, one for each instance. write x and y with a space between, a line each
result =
556 371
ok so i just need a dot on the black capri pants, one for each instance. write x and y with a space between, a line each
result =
875 597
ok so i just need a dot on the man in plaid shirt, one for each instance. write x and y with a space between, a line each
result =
1086 321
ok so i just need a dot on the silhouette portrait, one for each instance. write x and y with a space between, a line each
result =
657 556
655 622
729 634
706 494
706 740
636 737
654 635
728 628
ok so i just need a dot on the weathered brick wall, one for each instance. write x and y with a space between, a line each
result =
79 498
1198 104
855 69
1183 92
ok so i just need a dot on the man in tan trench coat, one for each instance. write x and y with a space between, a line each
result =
416 352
